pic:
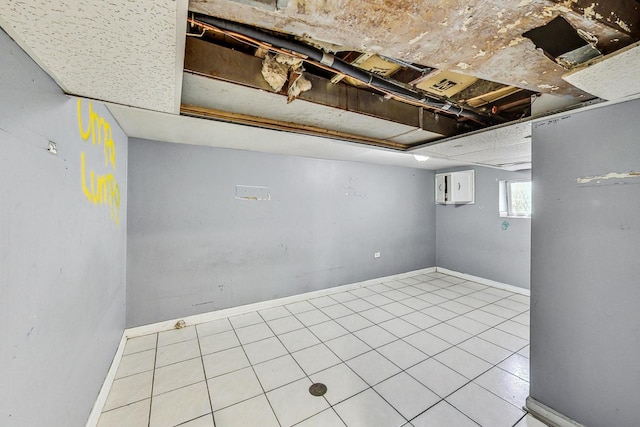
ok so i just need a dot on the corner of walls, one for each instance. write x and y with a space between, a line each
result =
475 240
63 227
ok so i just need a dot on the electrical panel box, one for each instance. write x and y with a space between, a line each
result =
455 187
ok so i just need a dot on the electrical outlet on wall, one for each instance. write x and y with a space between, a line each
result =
376 254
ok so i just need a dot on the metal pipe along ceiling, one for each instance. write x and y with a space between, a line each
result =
316 55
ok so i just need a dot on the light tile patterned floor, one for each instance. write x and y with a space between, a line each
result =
429 350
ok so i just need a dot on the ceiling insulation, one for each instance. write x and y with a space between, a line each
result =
481 38
460 65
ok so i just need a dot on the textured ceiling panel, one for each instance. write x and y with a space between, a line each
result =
495 138
415 136
613 77
501 153
126 52
219 95
506 161
152 125
500 146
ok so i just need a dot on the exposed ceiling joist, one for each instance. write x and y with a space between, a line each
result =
217 62
136 58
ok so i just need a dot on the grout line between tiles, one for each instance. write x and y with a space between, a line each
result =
206 383
153 378
296 361
395 287
254 373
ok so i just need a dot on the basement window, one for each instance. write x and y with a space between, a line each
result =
515 199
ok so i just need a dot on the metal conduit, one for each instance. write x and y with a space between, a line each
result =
317 55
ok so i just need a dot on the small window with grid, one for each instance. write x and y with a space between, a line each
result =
515 199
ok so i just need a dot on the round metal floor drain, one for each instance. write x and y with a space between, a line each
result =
318 389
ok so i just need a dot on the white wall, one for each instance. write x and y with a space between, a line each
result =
474 239
62 268
193 247
585 274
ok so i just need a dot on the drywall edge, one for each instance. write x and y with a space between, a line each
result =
548 415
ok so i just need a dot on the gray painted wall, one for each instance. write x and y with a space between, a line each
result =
62 274
471 239
193 247
585 274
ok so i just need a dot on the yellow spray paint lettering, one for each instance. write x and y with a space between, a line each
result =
99 130
99 189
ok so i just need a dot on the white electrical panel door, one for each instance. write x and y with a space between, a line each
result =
462 187
440 189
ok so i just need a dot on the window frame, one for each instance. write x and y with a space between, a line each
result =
504 196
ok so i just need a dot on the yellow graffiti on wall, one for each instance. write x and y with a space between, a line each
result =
99 189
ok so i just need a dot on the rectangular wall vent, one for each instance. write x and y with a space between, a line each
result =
250 192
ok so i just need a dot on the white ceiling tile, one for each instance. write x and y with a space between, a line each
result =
497 137
125 52
504 152
613 77
140 123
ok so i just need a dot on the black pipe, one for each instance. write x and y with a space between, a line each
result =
317 55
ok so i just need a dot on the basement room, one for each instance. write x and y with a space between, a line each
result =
341 213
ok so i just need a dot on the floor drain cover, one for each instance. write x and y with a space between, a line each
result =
318 389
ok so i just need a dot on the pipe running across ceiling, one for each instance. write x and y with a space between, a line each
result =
320 58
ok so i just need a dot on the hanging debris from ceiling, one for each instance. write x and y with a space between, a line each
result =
297 84
274 72
278 69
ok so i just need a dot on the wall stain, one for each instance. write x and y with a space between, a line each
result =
610 175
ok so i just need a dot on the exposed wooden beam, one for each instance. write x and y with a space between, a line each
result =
209 113
218 62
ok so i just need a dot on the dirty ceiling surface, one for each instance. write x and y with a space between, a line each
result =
401 76
442 68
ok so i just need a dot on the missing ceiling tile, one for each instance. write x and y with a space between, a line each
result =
562 43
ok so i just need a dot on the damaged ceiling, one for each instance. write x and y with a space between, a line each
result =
428 71
455 80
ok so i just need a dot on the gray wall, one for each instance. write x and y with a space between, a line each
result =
471 239
585 274
62 274
193 247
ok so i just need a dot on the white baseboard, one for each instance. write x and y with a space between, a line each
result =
548 415
106 385
483 281
234 311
